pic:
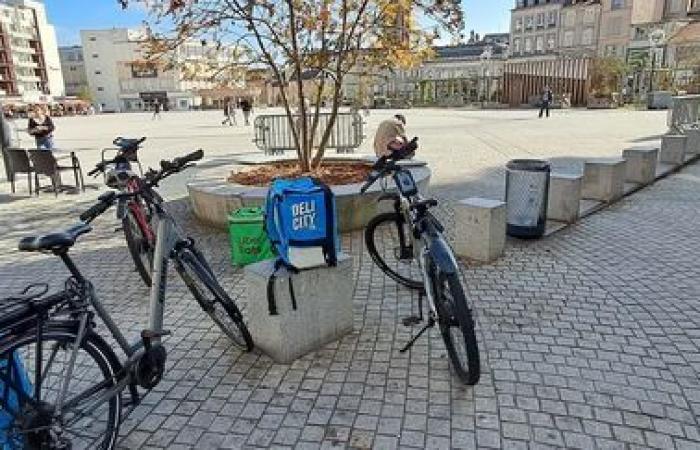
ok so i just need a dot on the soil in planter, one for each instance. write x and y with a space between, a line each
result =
330 173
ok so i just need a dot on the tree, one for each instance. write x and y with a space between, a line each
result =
85 95
606 76
290 37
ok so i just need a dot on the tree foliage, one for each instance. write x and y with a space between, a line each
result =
606 76
335 38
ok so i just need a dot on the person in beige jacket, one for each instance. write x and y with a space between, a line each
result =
390 136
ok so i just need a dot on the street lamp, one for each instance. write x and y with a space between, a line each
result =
656 38
485 58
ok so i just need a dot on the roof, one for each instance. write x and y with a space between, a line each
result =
689 34
568 3
468 50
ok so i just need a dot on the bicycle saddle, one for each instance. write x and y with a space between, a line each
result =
58 241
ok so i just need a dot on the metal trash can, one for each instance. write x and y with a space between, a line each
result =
527 192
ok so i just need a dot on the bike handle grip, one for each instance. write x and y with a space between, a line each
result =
98 208
182 160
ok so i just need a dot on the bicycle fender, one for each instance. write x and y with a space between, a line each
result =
442 256
389 196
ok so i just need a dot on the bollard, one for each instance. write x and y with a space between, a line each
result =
480 228
640 164
564 197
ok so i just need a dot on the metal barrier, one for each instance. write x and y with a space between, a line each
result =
684 112
273 133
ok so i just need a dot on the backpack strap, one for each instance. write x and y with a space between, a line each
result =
329 250
271 303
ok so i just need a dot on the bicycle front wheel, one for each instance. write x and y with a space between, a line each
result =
87 420
456 325
140 248
213 299
388 242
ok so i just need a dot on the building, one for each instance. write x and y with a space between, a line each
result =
73 68
121 78
615 22
535 28
579 28
30 70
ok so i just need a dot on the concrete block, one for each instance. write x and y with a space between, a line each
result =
603 179
480 228
324 308
641 164
564 197
693 144
673 149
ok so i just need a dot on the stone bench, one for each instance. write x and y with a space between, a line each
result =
564 197
673 149
641 164
603 179
480 228
324 308
693 143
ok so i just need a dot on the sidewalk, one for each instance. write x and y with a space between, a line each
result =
589 339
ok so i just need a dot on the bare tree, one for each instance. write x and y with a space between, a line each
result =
331 38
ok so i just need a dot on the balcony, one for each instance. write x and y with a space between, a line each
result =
28 78
29 64
23 50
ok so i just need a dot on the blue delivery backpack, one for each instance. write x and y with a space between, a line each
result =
300 220
15 381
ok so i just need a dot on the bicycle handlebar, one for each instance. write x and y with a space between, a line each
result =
106 200
386 164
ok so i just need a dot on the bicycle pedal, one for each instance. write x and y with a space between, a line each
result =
411 320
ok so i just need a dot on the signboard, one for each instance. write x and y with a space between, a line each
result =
144 70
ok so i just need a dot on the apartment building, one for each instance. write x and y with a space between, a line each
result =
121 79
615 22
579 28
73 68
534 29
30 70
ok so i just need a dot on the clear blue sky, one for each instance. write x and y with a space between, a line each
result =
70 16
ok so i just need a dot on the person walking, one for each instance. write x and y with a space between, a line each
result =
229 113
247 109
156 110
41 127
547 98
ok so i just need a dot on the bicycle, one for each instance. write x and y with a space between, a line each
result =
408 245
136 223
72 397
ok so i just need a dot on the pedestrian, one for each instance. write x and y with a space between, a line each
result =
229 113
156 110
247 109
390 136
41 127
547 98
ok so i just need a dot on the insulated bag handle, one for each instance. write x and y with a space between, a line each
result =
271 303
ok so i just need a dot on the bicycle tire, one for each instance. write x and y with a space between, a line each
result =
219 306
456 325
141 251
93 347
412 277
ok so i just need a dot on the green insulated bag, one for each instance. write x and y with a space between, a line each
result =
249 242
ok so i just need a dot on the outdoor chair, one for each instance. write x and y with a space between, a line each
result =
45 163
19 163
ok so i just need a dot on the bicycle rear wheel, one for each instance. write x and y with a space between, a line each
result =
196 274
384 244
456 325
33 422
140 248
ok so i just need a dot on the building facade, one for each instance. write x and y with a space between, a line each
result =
535 28
73 68
615 22
579 28
122 80
30 69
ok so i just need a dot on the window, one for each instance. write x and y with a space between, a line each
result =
569 39
539 43
617 4
540 19
587 38
528 22
517 45
72 68
551 41
97 72
100 89
519 24
570 19
95 55
552 18
92 38
614 27
528 45
589 15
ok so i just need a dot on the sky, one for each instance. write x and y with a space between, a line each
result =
71 16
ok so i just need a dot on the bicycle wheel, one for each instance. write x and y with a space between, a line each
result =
34 423
382 238
140 248
456 325
212 298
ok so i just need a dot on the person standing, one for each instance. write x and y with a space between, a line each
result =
547 98
247 109
156 110
41 127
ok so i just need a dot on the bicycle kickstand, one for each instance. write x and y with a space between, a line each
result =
430 324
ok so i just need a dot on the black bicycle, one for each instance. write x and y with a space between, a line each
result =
61 384
409 246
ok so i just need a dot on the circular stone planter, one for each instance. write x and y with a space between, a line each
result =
213 201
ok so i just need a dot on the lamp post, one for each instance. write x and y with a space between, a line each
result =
656 38
485 59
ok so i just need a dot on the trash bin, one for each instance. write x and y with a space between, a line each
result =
527 192
249 242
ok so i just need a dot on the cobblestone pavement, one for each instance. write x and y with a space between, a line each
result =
589 340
